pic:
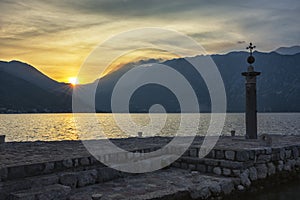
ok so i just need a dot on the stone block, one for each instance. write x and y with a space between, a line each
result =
192 166
16 172
201 168
84 161
262 171
217 170
49 167
295 152
288 154
236 172
69 179
219 154
264 158
245 178
68 163
252 173
3 173
226 172
107 174
87 178
211 162
231 164
193 152
242 156
271 169
226 186
34 169
230 155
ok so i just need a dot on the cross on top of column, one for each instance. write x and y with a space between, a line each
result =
251 47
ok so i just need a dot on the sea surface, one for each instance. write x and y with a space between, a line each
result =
53 127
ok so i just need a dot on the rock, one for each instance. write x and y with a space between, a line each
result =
240 188
295 152
69 179
3 173
271 169
229 155
96 196
252 173
215 188
84 161
201 193
242 156
288 153
226 186
245 178
49 167
226 172
280 166
68 163
217 170
201 168
236 172
262 171
87 178
264 158
297 164
219 154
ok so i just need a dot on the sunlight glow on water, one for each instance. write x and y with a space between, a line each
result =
48 127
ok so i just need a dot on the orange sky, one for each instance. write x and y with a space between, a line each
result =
57 36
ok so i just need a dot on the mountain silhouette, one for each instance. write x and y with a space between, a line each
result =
25 89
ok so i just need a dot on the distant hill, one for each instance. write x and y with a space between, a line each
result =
25 89
288 50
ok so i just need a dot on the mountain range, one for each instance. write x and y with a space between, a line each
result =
24 89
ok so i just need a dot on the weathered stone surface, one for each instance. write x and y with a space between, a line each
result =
242 155
201 193
193 152
271 169
240 188
68 163
211 162
236 172
230 155
192 166
245 178
227 186
219 154
280 165
231 164
106 174
217 170
84 161
215 188
3 173
201 167
252 173
226 172
53 192
295 152
282 154
288 153
49 167
16 172
262 171
264 158
69 179
87 178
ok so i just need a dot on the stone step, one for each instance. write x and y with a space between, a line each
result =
72 179
51 192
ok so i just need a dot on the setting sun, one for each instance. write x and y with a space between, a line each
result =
73 81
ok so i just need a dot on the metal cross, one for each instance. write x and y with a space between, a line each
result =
251 47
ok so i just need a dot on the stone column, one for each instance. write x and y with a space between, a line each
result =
251 104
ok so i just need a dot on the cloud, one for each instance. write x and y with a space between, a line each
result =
48 33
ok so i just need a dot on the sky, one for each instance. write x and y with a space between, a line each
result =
57 36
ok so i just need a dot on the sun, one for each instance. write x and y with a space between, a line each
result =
73 81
